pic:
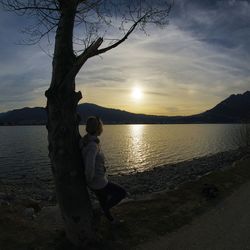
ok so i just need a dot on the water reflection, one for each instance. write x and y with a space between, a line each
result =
137 147
128 148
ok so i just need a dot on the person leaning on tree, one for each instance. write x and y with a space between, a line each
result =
108 193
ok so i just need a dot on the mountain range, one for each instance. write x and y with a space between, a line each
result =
234 109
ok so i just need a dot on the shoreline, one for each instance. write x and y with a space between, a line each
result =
161 208
170 176
160 178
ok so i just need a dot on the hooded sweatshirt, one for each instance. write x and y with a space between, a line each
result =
94 162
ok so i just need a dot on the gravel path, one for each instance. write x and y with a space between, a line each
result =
225 227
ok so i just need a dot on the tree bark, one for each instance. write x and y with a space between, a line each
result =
63 136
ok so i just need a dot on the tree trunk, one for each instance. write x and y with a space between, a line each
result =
63 136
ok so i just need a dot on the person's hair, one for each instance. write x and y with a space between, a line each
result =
94 125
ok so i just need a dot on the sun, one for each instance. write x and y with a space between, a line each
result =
137 93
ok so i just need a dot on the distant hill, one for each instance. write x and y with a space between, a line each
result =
115 115
24 116
234 109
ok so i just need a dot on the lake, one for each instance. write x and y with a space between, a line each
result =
128 148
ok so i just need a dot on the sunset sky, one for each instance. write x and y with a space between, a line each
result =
199 59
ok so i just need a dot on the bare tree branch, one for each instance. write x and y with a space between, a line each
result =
100 51
32 8
86 54
23 6
93 19
94 50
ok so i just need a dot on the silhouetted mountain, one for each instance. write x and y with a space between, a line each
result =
24 116
234 109
109 115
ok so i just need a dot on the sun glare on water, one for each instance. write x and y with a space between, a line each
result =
137 93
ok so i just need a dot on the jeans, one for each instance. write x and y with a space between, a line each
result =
109 196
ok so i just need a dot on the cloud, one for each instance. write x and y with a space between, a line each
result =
25 70
199 59
222 22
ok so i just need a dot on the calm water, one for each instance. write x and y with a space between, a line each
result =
128 148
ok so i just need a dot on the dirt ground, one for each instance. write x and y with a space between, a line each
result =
145 220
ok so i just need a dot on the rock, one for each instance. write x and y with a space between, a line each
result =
37 183
7 197
52 198
210 191
2 195
45 194
51 216
29 212
30 203
4 203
